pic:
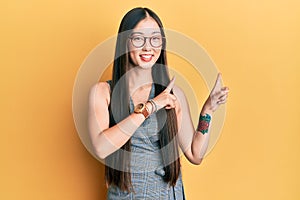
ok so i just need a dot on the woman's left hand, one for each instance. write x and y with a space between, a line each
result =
217 96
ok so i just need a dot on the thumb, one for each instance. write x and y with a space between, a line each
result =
171 85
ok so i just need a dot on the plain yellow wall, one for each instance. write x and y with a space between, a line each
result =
255 44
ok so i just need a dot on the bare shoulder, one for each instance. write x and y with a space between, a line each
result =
100 92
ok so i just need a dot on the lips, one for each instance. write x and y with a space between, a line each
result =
146 57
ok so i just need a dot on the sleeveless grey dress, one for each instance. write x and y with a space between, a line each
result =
146 166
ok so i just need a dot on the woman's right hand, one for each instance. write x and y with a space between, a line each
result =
165 99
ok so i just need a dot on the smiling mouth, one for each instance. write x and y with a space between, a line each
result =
146 57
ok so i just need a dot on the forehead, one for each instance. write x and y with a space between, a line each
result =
147 26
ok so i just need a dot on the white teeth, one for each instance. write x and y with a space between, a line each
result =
146 56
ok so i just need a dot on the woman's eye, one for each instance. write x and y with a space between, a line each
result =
156 38
137 39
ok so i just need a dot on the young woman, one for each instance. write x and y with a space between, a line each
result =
140 119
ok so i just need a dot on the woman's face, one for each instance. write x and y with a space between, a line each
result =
145 43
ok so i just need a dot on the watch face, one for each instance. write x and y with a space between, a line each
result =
139 107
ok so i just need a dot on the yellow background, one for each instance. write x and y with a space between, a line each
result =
255 44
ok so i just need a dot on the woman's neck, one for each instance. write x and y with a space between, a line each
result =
139 78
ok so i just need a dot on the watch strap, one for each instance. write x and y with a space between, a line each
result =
143 110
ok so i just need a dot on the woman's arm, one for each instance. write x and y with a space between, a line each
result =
193 142
105 139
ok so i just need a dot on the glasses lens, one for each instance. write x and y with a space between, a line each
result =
156 41
138 41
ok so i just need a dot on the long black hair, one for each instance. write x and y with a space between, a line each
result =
117 170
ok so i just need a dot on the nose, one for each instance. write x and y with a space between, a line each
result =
147 45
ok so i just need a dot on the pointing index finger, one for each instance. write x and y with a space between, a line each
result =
218 83
171 85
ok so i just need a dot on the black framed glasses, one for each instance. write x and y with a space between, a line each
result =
139 41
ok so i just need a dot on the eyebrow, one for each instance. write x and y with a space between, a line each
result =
143 33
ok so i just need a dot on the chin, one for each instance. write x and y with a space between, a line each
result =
146 65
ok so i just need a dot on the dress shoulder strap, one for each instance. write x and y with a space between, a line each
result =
109 82
111 119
